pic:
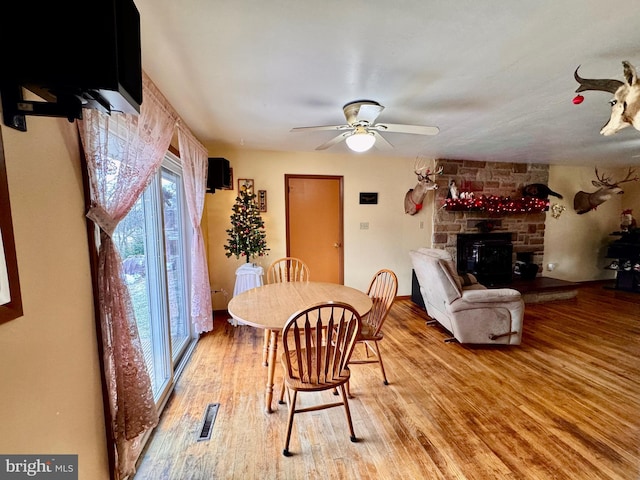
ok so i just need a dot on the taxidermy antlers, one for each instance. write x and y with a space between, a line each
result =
625 105
584 202
414 197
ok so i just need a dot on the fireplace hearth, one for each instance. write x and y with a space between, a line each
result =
488 256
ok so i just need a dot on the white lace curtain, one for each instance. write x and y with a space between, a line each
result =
119 168
194 160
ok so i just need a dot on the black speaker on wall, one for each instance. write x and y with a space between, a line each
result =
218 174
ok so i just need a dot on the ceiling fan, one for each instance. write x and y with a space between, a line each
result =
361 132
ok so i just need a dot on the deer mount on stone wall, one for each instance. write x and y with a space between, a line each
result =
415 196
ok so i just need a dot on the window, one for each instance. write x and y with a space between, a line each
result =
152 241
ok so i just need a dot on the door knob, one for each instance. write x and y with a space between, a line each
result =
337 245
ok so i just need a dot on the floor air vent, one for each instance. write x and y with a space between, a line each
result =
208 421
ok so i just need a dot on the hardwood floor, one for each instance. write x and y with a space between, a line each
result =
563 405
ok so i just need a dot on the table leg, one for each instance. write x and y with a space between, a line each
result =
265 348
273 350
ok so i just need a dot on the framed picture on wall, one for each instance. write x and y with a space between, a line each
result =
368 198
5 293
245 184
262 200
10 297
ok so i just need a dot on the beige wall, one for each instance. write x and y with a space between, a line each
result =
386 243
578 243
631 197
51 400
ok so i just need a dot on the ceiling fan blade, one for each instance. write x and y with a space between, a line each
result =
381 142
399 128
322 127
333 141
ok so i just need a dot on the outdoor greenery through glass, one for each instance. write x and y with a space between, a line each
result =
151 242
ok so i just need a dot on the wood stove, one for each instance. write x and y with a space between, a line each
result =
488 256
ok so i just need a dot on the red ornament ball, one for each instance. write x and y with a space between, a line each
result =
577 100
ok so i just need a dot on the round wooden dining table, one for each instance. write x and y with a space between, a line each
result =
269 307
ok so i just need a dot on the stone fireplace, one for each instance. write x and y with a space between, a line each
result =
489 179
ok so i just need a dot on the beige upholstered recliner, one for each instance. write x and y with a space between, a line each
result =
472 313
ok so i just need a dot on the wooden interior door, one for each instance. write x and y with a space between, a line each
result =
314 210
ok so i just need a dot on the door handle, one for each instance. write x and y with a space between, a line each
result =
337 245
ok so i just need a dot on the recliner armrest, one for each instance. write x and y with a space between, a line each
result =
491 295
499 297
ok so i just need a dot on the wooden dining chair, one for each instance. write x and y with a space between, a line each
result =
317 343
285 269
288 269
382 291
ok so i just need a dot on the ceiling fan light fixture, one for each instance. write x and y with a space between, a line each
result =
360 140
361 132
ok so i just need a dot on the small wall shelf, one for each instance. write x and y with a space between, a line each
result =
496 204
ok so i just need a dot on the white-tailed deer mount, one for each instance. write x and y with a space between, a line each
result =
625 105
415 196
584 202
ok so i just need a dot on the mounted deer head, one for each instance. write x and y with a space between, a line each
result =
584 202
625 105
415 196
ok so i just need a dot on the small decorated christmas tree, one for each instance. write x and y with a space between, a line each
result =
246 236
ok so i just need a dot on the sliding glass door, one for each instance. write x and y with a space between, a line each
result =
175 264
152 241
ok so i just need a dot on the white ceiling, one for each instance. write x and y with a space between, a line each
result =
496 76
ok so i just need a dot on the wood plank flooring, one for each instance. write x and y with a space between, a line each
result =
563 405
